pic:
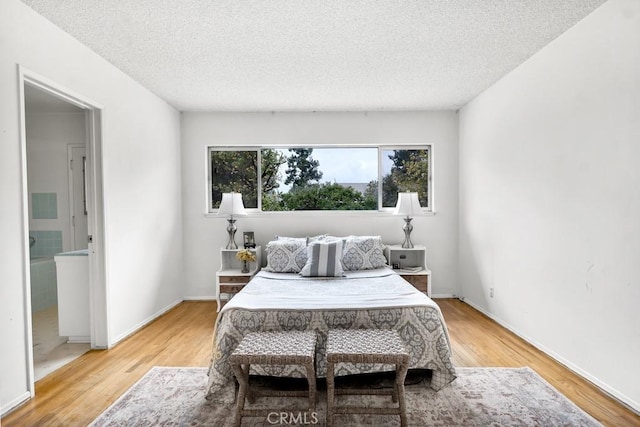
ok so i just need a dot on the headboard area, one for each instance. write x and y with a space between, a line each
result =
307 254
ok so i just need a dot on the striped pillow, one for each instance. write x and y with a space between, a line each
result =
323 260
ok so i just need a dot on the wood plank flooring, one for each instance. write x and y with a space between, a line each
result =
479 341
77 393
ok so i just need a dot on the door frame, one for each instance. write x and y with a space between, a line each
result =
95 205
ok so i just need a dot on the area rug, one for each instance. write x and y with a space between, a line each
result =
478 397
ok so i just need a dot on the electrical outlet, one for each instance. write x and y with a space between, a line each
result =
491 292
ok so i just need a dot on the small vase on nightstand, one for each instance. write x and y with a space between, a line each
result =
245 267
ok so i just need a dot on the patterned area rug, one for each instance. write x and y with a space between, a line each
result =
478 397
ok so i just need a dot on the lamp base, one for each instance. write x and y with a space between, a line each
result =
407 228
231 229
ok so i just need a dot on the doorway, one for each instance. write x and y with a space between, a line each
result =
58 126
55 130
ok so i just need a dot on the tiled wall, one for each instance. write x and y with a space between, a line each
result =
44 206
44 287
48 243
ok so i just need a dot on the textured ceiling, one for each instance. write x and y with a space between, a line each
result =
299 55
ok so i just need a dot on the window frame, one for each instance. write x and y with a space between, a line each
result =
381 148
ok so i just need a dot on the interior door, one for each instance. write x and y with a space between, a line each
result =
78 196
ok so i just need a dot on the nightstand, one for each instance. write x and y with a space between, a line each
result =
230 279
411 264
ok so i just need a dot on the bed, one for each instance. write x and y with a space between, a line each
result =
371 298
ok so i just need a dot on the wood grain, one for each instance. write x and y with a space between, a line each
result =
420 282
479 341
77 393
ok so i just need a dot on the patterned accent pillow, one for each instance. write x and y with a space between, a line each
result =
323 260
363 253
286 256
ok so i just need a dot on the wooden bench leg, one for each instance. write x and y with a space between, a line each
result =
242 375
330 393
311 379
401 374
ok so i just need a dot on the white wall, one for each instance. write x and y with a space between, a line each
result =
48 134
141 168
550 199
204 236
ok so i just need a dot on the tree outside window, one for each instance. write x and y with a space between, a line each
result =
234 171
320 178
405 170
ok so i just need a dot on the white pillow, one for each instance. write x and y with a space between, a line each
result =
278 237
318 238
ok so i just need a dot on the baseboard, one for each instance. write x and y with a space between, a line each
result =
79 340
203 298
615 394
14 404
443 296
145 322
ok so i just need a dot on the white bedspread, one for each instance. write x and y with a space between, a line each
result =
380 288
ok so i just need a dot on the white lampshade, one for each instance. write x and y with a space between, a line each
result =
408 204
231 204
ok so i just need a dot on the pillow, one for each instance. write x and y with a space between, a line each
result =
330 238
318 238
278 237
286 256
363 253
323 260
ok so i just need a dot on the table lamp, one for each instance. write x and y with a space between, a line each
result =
408 205
231 205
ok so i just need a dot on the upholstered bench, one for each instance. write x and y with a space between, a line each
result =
273 348
366 346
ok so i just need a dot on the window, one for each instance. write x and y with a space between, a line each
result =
319 178
405 170
234 171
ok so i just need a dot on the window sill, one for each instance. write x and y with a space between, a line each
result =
256 213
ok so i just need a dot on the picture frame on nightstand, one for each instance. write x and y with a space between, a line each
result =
248 240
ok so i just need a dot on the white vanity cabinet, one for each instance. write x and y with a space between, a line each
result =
72 273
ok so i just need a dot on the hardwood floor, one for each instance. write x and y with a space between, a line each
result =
479 341
77 393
